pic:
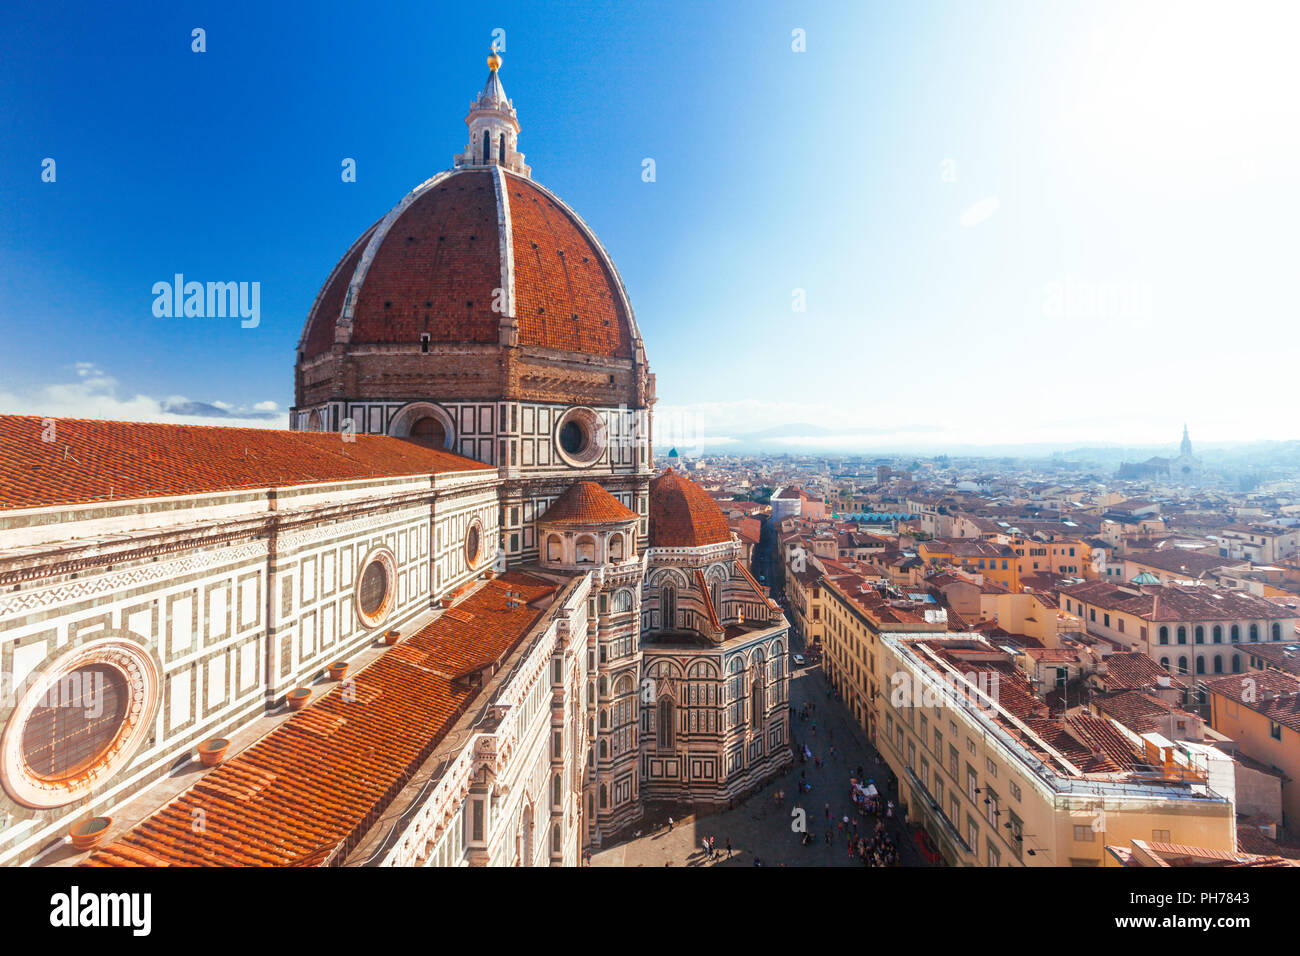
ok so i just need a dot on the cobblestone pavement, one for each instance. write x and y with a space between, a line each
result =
761 827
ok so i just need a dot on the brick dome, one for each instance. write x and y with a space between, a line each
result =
433 264
480 286
684 515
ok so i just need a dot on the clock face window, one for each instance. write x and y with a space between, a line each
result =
572 438
474 544
376 587
581 437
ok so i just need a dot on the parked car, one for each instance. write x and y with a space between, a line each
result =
798 660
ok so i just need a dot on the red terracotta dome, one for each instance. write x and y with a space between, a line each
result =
684 515
587 503
433 264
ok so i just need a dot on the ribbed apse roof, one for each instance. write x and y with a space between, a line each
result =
683 515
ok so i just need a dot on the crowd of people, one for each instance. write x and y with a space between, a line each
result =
872 846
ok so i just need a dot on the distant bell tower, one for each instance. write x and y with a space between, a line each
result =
493 127
1185 449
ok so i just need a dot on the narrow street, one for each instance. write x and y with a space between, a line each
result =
762 827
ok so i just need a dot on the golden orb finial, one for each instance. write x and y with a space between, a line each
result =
494 61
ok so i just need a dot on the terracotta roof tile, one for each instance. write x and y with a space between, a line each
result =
317 782
682 515
586 502
435 270
1274 694
439 264
565 295
111 461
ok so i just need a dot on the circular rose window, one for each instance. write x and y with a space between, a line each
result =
74 725
580 437
376 587
474 543
78 722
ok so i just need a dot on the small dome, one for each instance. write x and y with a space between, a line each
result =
683 515
587 503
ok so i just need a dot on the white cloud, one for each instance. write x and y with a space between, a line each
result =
980 211
95 394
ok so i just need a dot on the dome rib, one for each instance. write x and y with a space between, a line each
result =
372 248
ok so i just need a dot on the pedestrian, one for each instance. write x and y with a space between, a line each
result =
728 848
670 824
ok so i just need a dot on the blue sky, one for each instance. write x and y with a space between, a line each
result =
1009 221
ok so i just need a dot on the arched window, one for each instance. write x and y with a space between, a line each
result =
1164 662
665 728
557 791
622 602
554 548
1277 631
1236 663
429 432
1200 634
1235 635
1218 634
1200 665
487 147
586 549
1182 634
1218 663
668 606
604 796
1164 634
555 838
604 752
757 691
501 149
526 838
616 547
604 718
1254 632
1182 665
